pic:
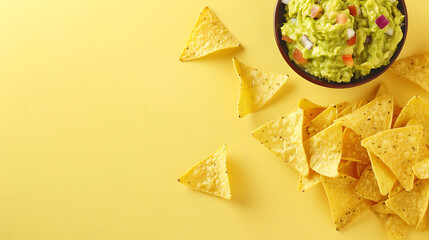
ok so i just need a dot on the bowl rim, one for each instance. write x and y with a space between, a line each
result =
375 73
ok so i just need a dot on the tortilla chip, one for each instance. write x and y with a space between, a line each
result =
385 178
324 150
352 150
359 168
422 152
397 188
210 175
349 109
305 104
411 206
341 106
381 207
382 89
374 117
368 187
322 121
283 137
397 148
422 224
418 109
415 69
313 178
362 103
208 35
396 111
396 228
345 204
421 169
256 87
312 113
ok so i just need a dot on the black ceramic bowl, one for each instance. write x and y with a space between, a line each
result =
279 19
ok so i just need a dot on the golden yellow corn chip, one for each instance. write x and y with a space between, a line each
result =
367 186
385 178
324 150
396 111
210 175
397 148
382 89
422 152
421 169
322 121
283 137
396 228
374 117
312 113
341 107
352 150
422 224
345 204
418 109
411 206
208 35
313 178
359 168
349 109
415 69
256 87
397 188
381 207
305 104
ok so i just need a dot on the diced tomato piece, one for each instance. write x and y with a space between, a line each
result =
353 10
287 39
348 60
351 41
297 55
342 18
315 10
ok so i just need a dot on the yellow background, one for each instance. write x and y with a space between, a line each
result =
98 118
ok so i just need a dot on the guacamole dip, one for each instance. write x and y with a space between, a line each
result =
338 40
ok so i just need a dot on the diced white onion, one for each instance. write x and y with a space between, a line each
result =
293 20
305 41
285 2
350 33
389 32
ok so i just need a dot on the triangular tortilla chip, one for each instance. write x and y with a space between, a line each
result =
422 224
382 89
397 188
421 169
305 104
396 228
324 150
352 150
311 113
210 175
381 207
411 206
415 69
313 178
418 109
397 148
322 121
208 35
396 111
349 109
345 204
341 106
368 187
385 178
422 152
374 117
283 137
359 168
256 87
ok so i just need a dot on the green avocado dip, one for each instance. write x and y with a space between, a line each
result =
338 40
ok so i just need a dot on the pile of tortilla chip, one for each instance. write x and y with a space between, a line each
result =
367 155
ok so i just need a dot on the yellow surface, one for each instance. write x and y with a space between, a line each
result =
98 118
